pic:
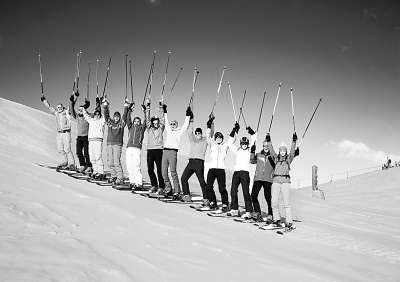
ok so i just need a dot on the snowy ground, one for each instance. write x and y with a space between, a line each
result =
56 228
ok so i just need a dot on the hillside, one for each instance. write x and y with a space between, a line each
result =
56 228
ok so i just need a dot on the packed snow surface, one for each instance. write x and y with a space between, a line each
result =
56 228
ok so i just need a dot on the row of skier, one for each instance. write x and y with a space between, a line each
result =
272 169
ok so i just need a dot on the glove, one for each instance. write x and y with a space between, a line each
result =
164 108
210 120
232 134
268 138
143 107
131 106
126 104
72 98
297 152
105 103
97 101
253 149
191 117
237 127
294 137
160 103
148 103
188 111
87 104
42 98
250 130
76 93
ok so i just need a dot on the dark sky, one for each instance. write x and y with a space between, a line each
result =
345 52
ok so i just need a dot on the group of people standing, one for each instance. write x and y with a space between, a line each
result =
271 173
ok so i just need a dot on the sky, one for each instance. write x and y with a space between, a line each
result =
345 52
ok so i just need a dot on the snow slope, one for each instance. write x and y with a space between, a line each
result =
56 228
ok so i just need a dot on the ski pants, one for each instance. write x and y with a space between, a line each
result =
194 166
64 147
155 156
241 177
114 160
220 175
169 159
257 185
133 160
82 151
96 153
277 189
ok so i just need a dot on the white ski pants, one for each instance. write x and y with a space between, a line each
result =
64 148
133 160
95 153
276 190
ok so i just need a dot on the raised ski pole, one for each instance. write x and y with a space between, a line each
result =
106 81
126 76
310 121
174 85
193 86
241 108
165 78
76 75
41 76
219 87
130 70
78 69
88 76
273 113
291 94
97 79
233 106
262 105
150 77
245 123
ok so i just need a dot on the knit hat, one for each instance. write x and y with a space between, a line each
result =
117 114
283 146
198 130
244 141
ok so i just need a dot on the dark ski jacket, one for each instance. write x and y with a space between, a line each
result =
136 133
264 168
115 130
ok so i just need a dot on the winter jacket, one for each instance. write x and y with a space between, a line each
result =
174 136
218 153
264 167
198 147
96 127
63 119
82 125
242 156
115 130
136 133
155 139
282 164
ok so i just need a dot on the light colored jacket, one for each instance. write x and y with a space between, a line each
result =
242 156
96 127
63 119
198 147
155 139
218 153
174 136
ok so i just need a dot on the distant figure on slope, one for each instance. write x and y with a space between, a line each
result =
82 141
115 141
197 154
241 174
134 149
96 132
171 145
281 180
155 140
387 165
218 151
262 179
63 126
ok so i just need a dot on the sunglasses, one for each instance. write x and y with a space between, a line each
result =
173 124
97 115
59 107
198 133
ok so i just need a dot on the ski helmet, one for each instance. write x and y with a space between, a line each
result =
218 135
244 141
153 118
